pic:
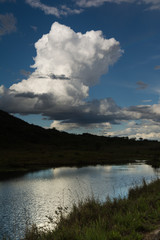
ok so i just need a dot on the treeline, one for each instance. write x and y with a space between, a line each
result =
25 146
16 131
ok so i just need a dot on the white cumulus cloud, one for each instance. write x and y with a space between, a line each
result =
146 129
94 128
68 63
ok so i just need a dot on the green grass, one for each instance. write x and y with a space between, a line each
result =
120 219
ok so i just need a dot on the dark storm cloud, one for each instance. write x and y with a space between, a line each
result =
51 76
147 111
96 111
59 77
46 91
26 95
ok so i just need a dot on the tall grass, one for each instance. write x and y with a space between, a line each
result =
118 219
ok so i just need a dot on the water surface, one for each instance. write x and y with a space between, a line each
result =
37 195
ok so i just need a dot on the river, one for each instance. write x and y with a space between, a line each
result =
35 196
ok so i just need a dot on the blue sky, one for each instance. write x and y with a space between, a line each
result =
106 83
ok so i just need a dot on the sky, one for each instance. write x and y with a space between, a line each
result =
82 65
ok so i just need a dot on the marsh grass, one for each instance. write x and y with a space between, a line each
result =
117 219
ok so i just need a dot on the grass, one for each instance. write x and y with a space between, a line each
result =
39 157
119 219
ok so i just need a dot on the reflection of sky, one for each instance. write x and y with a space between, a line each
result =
38 194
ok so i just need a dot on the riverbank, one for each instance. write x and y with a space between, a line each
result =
25 147
121 219
15 161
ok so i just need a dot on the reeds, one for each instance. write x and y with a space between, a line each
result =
118 219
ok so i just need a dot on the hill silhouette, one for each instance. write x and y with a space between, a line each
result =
14 130
25 146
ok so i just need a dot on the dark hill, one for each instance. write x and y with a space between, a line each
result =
16 131
25 146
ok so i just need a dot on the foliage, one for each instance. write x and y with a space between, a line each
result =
25 147
119 219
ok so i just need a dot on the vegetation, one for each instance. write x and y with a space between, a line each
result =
121 219
25 147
